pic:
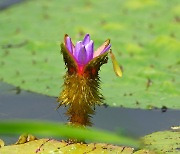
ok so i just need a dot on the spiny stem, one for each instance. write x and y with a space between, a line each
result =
80 95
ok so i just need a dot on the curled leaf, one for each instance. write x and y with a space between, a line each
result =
116 66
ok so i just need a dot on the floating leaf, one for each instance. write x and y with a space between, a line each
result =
164 141
54 146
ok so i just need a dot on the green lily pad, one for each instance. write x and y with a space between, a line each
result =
144 36
54 146
163 142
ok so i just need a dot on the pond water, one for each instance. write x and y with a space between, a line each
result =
19 104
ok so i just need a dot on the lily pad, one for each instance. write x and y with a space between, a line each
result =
144 40
164 141
54 146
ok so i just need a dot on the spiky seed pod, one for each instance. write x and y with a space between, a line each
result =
81 88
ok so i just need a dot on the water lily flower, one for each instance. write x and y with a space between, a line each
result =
83 51
81 89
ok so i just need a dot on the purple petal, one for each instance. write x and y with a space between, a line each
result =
86 39
80 53
77 49
69 44
89 50
82 56
106 49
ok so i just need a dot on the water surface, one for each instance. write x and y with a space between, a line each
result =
19 104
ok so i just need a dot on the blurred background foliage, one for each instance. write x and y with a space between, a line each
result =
144 36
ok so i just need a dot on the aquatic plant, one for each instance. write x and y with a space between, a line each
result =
82 82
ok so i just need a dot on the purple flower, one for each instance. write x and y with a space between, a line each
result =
83 52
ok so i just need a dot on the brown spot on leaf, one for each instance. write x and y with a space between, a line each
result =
46 16
46 60
6 52
125 11
33 62
23 81
81 33
131 54
149 83
140 44
10 45
47 87
130 94
17 31
177 18
119 53
152 66
103 22
172 35
33 52
134 37
137 103
173 79
17 73
150 26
